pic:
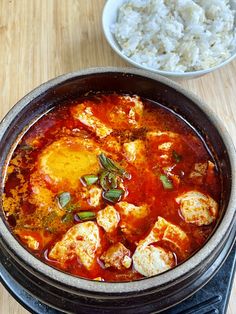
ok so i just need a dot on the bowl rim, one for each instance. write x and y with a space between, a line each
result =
114 288
115 46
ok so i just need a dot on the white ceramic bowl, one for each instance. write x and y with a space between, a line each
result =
109 17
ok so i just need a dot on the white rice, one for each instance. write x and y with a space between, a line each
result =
176 35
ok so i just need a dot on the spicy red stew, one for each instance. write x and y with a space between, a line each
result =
111 188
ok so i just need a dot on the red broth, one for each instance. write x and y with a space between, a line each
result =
158 159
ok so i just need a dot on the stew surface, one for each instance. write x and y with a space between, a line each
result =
111 188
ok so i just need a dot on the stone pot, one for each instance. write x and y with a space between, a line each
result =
72 294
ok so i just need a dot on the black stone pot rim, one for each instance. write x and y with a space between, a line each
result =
167 278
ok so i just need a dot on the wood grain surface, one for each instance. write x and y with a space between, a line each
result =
41 39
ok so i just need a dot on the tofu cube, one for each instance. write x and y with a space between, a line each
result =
152 260
135 151
81 240
85 116
108 218
197 208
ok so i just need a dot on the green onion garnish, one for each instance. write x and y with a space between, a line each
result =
67 218
176 156
113 196
86 215
90 179
72 207
113 180
103 180
64 198
167 184
108 164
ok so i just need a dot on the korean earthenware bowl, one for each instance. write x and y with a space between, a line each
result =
72 294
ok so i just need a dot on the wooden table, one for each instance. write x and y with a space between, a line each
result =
41 39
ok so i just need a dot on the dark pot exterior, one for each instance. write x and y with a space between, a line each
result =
72 294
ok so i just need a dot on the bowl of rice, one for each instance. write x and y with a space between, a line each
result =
176 39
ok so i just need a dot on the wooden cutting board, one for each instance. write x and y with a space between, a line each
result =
41 39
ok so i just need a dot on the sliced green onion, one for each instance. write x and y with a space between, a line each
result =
64 198
71 207
176 156
126 175
108 164
167 184
86 215
113 196
67 218
90 179
103 180
113 180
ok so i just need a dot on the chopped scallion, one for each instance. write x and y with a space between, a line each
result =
113 180
113 196
67 218
86 215
108 164
64 198
176 156
72 207
167 184
103 180
90 179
